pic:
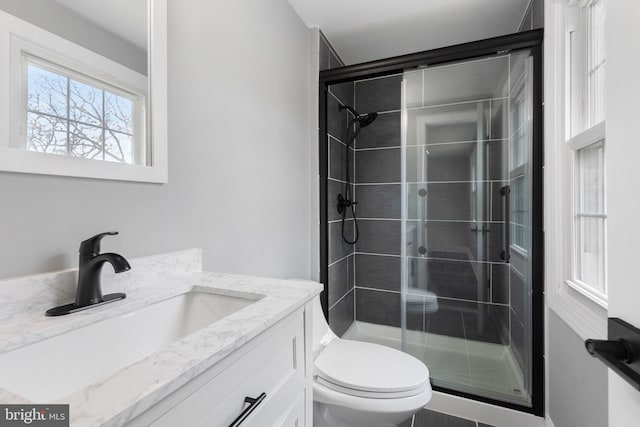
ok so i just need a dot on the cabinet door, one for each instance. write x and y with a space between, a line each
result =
275 367
295 417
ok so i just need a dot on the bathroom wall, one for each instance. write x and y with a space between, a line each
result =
341 254
577 381
55 18
239 158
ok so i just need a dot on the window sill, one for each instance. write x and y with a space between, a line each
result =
594 296
586 317
588 137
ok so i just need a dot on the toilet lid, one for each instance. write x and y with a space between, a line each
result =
370 368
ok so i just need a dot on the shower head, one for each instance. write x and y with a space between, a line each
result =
367 119
364 119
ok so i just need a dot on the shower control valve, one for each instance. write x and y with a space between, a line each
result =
344 203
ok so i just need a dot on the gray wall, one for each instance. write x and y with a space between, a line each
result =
239 158
51 16
577 381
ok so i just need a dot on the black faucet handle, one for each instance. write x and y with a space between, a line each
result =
92 244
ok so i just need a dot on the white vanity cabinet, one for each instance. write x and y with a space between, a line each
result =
277 362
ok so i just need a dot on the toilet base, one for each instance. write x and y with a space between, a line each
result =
325 415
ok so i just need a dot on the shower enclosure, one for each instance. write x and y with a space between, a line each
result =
448 185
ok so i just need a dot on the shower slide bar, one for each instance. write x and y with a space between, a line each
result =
506 253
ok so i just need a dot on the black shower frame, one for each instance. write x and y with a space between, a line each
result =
532 40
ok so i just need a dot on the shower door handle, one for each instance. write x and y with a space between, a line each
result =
506 234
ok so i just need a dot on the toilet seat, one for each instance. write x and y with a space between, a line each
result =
370 370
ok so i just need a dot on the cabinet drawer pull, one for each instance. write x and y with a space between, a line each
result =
253 404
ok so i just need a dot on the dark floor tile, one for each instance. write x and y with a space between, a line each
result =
383 132
379 307
341 316
379 237
378 166
427 418
378 201
451 279
487 323
343 91
338 248
484 425
379 272
406 423
382 94
337 163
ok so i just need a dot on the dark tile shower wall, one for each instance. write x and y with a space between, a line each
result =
473 291
341 275
378 192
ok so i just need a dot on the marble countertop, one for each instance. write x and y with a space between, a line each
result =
117 399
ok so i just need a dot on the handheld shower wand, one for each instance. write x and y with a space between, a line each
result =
344 201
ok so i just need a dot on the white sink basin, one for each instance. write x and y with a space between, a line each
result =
53 368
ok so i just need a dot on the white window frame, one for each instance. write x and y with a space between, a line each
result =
581 310
16 33
135 92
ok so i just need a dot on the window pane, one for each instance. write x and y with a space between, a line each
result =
590 171
591 252
72 114
118 113
85 103
118 147
85 141
590 216
46 91
46 134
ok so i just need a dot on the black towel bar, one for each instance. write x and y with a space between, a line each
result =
621 352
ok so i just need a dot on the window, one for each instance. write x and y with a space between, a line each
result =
585 75
70 114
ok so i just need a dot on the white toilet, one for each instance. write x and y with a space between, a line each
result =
358 384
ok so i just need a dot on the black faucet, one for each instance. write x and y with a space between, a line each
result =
89 290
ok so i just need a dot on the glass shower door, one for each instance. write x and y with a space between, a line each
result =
466 287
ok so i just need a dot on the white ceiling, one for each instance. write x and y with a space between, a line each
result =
126 18
366 30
